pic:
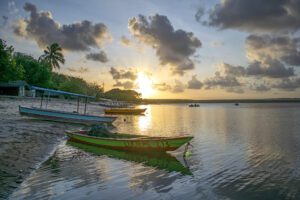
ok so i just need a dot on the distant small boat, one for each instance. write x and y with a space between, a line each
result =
125 111
62 116
128 142
194 105
236 104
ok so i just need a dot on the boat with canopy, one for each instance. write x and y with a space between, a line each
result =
63 116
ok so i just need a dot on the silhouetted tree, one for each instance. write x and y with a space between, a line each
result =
53 56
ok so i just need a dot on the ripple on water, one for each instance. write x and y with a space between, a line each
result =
237 153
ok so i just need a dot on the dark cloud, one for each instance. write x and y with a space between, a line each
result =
283 48
41 27
194 83
288 84
255 15
221 81
263 87
270 68
100 57
122 74
233 70
173 47
224 81
125 84
80 70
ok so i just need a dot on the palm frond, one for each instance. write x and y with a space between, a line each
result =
53 56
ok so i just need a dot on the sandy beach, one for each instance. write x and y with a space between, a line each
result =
24 142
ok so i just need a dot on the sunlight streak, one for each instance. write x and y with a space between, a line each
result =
144 84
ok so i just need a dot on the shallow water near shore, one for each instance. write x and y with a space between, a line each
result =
250 151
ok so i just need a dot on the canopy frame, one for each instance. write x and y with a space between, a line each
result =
60 92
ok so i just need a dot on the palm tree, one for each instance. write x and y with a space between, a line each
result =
53 56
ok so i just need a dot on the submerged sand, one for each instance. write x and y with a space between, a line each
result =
25 143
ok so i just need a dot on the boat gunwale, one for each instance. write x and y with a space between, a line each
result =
129 109
125 111
65 112
146 138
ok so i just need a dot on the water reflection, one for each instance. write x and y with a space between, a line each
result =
245 152
144 122
162 161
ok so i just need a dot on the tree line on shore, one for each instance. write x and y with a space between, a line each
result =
40 72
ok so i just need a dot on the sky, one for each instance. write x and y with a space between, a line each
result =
194 49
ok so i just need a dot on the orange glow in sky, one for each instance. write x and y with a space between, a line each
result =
144 84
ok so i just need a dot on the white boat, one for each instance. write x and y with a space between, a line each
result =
64 116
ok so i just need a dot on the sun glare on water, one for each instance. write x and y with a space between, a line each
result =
144 84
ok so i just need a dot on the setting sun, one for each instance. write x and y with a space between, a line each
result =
144 84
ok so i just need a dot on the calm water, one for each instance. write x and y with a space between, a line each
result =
247 152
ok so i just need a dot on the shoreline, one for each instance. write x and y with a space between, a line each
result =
25 143
167 101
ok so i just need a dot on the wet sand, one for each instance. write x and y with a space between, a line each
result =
25 142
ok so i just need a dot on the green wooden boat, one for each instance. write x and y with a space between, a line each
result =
163 161
128 142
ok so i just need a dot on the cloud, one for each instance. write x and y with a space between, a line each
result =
178 87
194 83
100 57
262 87
269 68
222 81
80 70
288 84
173 47
125 41
233 70
254 15
122 74
228 82
162 87
78 36
125 84
283 48
123 78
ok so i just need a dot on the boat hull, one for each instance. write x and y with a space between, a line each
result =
125 111
113 105
149 144
60 116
